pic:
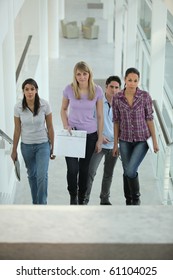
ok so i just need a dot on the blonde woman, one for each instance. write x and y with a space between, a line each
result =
82 109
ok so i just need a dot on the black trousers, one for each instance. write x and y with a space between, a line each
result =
77 168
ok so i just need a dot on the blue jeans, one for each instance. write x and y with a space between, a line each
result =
109 164
36 158
132 154
77 169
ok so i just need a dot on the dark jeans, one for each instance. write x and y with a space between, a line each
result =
77 168
132 154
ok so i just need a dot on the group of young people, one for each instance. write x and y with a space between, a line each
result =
119 121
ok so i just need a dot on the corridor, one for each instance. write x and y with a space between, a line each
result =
99 55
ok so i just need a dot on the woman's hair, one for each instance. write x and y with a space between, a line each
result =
82 66
129 71
132 70
32 82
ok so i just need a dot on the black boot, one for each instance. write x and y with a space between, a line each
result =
81 199
134 189
127 193
73 199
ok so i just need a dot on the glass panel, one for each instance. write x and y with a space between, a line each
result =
170 20
145 72
169 59
169 69
145 14
171 165
162 163
168 121
168 91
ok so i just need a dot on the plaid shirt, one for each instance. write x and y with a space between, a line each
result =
133 120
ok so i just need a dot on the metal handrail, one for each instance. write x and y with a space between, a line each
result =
167 138
6 137
28 42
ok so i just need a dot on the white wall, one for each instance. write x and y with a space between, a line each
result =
7 95
18 20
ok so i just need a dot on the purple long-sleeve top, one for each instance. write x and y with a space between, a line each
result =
82 112
133 119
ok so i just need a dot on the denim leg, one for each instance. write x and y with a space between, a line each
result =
36 157
72 174
84 163
30 163
132 154
109 165
42 163
93 166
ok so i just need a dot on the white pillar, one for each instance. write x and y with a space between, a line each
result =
2 104
53 28
105 9
7 95
118 38
61 9
110 20
158 42
4 174
43 37
9 70
131 31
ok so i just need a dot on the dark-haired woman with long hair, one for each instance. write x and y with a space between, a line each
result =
133 125
33 122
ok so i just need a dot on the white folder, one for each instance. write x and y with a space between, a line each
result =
150 144
73 145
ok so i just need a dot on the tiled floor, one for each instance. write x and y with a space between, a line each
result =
99 55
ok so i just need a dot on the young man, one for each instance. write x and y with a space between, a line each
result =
113 85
